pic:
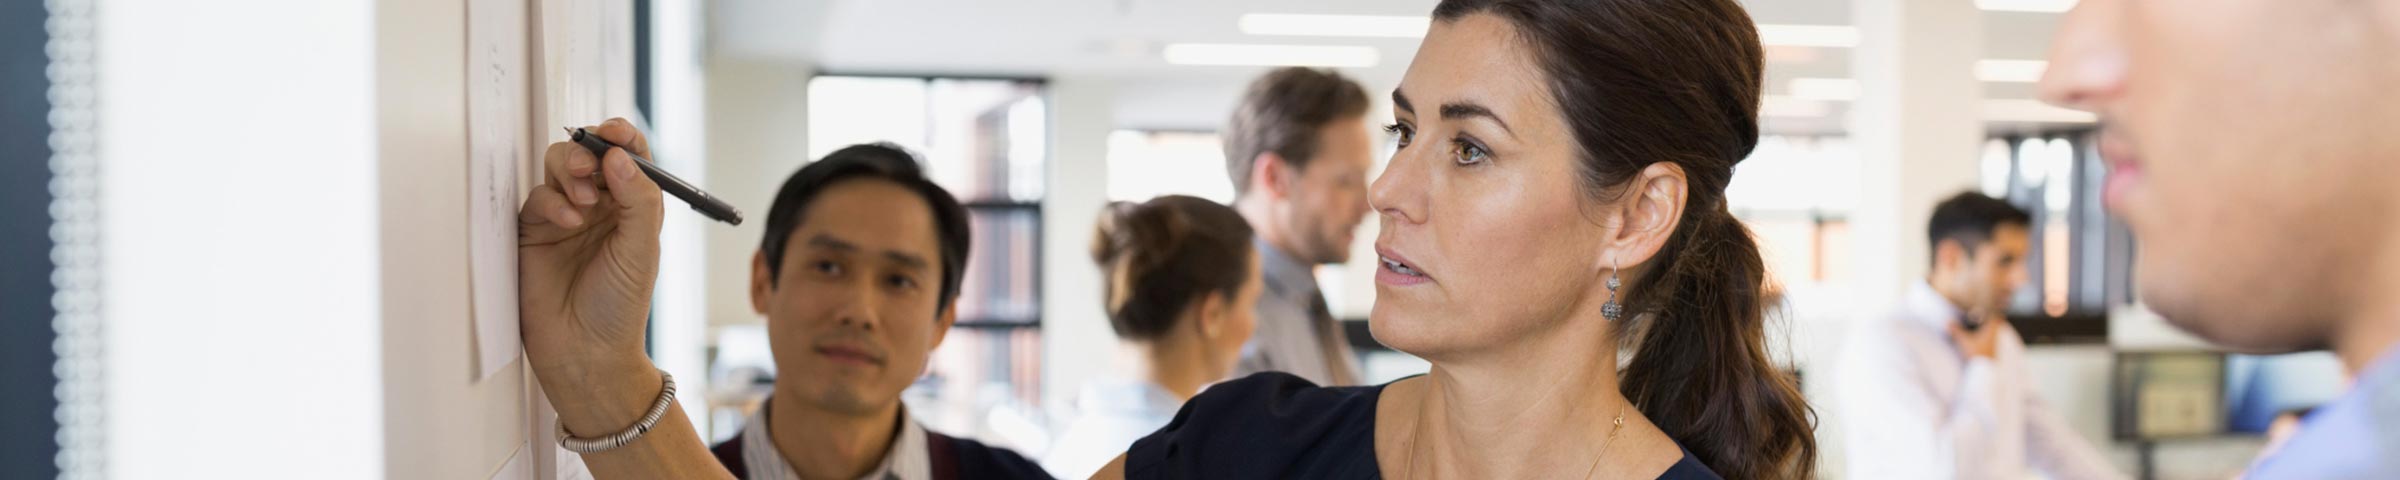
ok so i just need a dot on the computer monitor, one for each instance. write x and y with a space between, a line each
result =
2159 395
2165 395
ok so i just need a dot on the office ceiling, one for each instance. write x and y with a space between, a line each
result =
1121 40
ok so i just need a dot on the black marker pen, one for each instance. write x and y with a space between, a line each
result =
707 205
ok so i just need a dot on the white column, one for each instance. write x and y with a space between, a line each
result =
757 135
1918 127
1077 343
678 142
239 146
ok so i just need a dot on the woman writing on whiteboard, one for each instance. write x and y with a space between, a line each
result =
1557 198
1556 204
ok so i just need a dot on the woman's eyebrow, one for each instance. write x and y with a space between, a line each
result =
1465 110
1454 111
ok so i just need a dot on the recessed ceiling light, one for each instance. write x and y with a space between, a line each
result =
1791 107
2035 6
1380 26
1272 55
1843 36
2022 71
2023 110
1830 89
1788 54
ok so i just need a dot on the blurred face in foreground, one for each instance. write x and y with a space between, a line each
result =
2250 149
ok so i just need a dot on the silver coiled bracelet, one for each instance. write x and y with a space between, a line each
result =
666 398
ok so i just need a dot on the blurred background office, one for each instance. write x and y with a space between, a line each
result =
266 197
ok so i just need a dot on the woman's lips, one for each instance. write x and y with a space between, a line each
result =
1393 269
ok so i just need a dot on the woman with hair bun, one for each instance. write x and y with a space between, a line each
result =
1182 287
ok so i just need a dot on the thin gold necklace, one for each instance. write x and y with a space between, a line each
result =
1417 441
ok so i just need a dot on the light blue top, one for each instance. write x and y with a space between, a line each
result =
1116 412
2355 437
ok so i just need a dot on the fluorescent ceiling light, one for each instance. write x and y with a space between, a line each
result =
1272 55
1405 26
1843 36
1829 89
1845 89
2022 110
2034 6
1792 107
1994 110
2023 71
1788 54
1381 26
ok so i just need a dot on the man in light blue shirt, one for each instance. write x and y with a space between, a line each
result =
2250 150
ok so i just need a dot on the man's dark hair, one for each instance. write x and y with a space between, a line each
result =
1282 112
874 161
1970 218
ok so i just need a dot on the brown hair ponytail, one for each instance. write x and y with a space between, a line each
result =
1700 368
1647 81
1162 255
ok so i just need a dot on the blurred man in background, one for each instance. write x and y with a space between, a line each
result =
1940 386
858 285
2250 150
1298 153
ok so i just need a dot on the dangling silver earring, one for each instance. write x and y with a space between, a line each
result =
1612 310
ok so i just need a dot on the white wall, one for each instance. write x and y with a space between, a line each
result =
239 239
288 289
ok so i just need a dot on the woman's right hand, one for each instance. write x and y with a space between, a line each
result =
587 259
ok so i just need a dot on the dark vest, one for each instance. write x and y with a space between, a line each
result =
952 459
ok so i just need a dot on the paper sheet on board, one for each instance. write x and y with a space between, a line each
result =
497 153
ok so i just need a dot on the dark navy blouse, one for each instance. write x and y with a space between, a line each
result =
1275 425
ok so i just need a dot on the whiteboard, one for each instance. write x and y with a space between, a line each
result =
533 66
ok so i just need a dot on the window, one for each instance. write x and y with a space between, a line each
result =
1146 164
2081 260
2058 178
1796 194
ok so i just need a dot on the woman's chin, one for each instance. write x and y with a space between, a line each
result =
1412 333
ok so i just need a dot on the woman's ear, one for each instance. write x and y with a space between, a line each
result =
1649 211
1214 312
